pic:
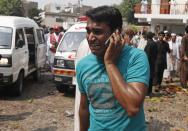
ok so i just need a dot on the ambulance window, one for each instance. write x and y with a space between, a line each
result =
40 36
71 41
30 36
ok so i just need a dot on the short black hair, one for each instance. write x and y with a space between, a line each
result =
168 34
149 35
107 14
161 33
186 29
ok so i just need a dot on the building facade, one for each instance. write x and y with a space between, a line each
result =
63 15
171 15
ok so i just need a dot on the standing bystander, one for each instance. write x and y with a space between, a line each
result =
46 37
143 41
53 41
161 61
184 60
186 7
144 6
151 51
174 57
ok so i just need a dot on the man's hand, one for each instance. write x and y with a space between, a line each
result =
115 47
185 58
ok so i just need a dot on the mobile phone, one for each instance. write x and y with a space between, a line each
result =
107 42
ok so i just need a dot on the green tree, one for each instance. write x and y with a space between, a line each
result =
33 13
127 10
11 7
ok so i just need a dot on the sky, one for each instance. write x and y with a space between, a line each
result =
93 3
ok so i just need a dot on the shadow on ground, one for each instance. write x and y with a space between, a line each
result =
156 125
35 90
51 128
16 117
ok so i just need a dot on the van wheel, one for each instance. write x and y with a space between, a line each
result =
18 85
62 88
36 75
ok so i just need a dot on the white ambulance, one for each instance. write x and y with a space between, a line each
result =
64 62
22 51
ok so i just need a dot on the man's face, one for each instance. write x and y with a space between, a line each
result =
97 34
166 37
173 38
161 36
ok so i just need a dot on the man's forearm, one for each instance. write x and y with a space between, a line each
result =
84 120
128 95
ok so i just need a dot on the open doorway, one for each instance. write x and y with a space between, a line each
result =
165 7
31 47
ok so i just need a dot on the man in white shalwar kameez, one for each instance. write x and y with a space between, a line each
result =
174 56
173 7
143 42
144 6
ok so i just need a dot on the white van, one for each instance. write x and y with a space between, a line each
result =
64 62
22 51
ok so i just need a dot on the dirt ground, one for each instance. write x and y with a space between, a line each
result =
42 108
168 110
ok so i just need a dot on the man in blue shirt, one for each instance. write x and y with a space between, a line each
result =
113 79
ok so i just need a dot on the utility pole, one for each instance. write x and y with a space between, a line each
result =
79 5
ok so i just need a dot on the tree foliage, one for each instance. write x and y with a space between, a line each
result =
127 10
11 7
33 13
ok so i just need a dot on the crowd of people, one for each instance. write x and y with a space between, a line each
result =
166 54
163 51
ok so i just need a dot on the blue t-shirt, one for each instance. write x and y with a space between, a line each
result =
106 114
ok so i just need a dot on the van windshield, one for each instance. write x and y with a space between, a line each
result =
5 37
71 41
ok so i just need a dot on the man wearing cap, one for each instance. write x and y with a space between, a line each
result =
53 42
174 56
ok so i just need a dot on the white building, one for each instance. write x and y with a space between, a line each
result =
171 15
65 15
64 19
